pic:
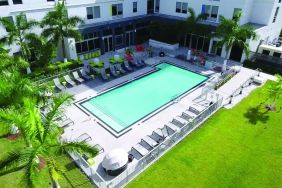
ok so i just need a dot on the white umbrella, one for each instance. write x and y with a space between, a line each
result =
189 55
115 159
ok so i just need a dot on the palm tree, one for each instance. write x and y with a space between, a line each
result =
17 32
274 92
231 33
41 134
193 25
57 25
42 49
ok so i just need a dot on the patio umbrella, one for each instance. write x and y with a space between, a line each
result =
189 55
115 160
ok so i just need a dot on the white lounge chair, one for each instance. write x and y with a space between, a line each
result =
58 84
119 68
84 74
77 77
173 127
151 142
180 120
104 74
69 80
127 66
197 109
83 138
113 71
140 149
64 122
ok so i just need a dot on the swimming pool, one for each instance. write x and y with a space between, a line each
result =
123 106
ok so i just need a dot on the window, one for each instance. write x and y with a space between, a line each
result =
119 40
184 8
181 7
90 43
16 2
10 18
134 6
178 7
4 2
210 11
276 54
157 5
265 52
117 9
275 15
93 12
235 12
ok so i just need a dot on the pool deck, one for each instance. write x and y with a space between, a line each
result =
88 124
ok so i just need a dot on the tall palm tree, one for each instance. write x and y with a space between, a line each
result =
57 25
274 92
232 33
43 143
193 25
17 32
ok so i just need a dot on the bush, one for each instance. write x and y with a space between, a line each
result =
97 65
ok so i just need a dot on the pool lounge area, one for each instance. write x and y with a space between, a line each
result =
121 107
168 112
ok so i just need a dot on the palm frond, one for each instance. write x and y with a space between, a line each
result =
80 147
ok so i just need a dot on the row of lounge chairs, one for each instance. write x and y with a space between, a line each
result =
149 142
73 82
61 119
118 69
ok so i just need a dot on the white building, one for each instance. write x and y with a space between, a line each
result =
114 24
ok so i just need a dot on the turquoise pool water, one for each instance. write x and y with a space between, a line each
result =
121 107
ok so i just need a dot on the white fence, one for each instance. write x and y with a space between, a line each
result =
135 169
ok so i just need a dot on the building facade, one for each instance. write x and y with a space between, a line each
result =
115 24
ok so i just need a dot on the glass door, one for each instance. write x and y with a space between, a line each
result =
129 38
108 43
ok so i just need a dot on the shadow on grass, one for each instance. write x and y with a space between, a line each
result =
257 114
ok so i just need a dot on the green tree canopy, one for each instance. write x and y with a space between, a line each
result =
57 25
230 33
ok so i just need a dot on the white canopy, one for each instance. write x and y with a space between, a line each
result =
115 159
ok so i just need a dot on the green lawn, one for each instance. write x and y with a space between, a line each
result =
241 147
73 177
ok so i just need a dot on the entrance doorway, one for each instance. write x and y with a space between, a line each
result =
108 43
150 6
129 41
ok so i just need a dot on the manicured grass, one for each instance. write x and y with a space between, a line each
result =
73 177
241 147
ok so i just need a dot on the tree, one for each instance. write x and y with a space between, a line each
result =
17 32
274 93
192 25
42 133
57 25
231 33
42 50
